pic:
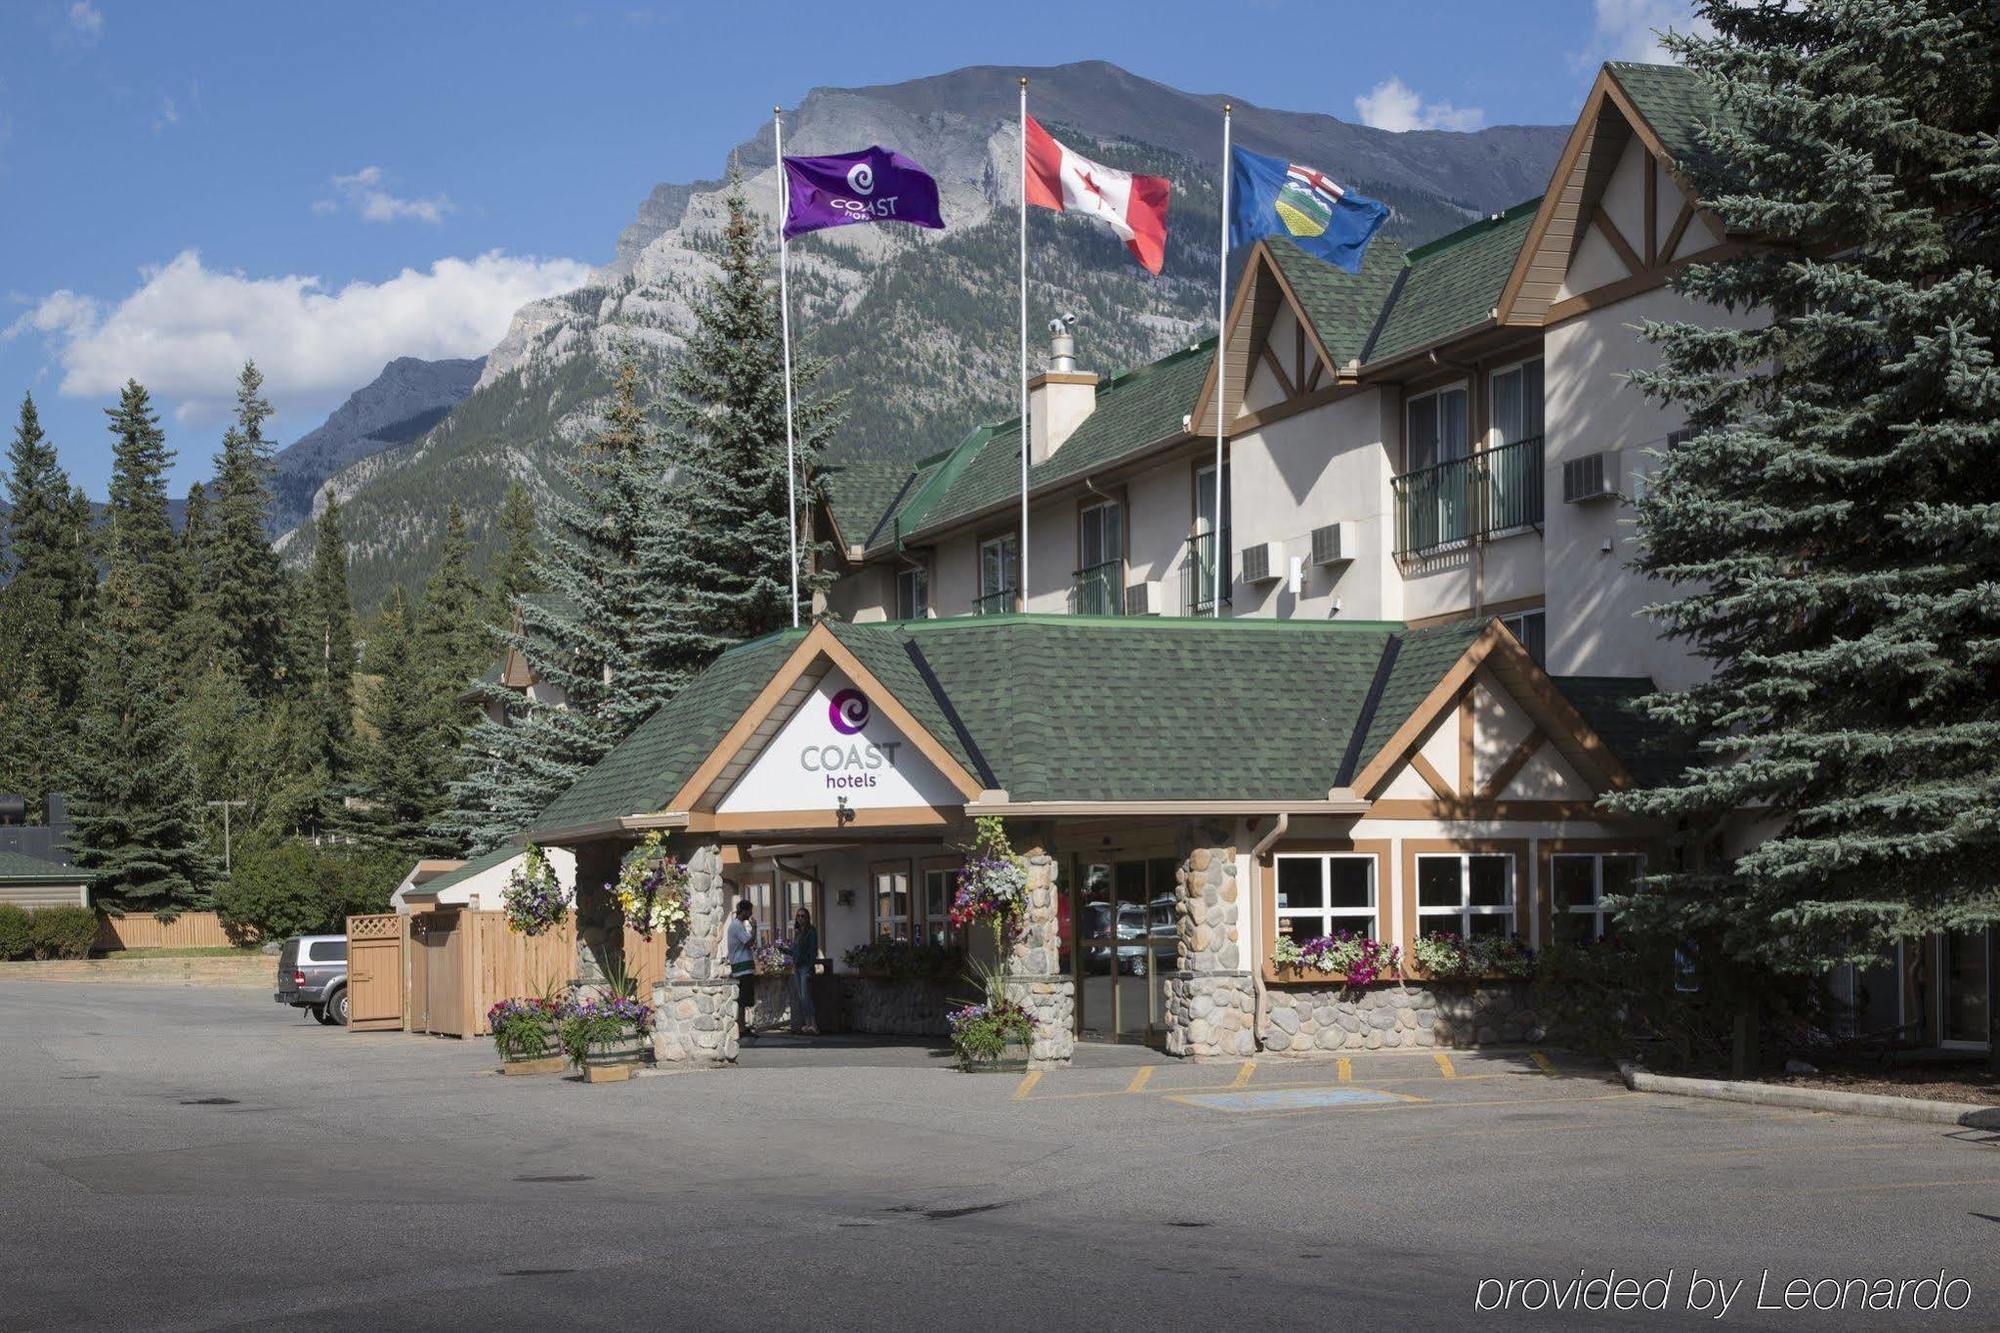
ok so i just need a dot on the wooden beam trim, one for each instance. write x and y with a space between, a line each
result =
1652 229
1426 770
1681 220
1515 762
1580 137
1369 780
1466 748
1636 284
1270 359
1538 811
1609 229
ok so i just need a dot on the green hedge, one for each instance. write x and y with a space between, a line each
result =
296 888
17 933
63 932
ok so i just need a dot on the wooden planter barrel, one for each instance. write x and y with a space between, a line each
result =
550 1061
614 1061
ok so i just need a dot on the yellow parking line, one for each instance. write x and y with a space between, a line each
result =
1028 1082
1542 1062
1140 1079
1346 1070
1244 1075
1413 1103
1444 1064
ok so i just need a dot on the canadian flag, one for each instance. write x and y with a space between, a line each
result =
1133 206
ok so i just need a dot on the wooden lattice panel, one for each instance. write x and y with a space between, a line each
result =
385 927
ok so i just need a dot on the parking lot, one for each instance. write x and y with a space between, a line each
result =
187 1158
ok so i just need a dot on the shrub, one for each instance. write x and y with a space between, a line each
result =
64 932
296 888
901 958
17 933
980 1032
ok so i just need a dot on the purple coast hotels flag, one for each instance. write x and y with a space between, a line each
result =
873 185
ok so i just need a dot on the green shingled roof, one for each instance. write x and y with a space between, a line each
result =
18 867
1654 754
1078 708
861 491
1673 100
1452 284
1135 409
1343 307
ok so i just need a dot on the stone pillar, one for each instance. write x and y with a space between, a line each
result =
1211 1002
1035 982
694 1009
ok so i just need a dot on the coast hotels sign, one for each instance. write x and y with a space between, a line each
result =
837 744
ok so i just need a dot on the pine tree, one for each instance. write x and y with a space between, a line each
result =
244 589
142 583
728 412
1831 531
455 629
401 784
328 649
199 635
514 575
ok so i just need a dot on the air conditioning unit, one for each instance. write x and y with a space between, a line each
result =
1145 599
1263 563
1334 544
1592 477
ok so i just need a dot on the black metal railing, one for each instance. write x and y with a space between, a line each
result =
1098 590
995 603
1465 498
1198 573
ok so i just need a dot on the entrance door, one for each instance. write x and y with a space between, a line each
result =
1126 942
375 971
1962 1018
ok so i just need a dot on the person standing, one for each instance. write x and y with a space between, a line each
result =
805 960
739 943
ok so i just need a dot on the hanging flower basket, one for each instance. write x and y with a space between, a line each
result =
652 889
993 885
534 897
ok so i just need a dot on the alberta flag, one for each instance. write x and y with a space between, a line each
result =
1270 195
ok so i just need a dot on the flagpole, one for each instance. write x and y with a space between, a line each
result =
1221 347
1024 344
785 328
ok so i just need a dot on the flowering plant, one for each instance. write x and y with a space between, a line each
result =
534 897
1360 958
981 1032
594 1024
1446 957
774 958
524 1028
651 888
901 958
993 885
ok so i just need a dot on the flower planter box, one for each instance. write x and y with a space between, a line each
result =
545 1064
1013 1060
614 1061
549 1058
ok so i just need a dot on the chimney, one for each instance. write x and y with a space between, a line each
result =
1059 398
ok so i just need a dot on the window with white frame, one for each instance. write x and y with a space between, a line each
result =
1579 882
913 593
1466 895
940 888
1323 892
1437 428
892 900
1531 628
998 560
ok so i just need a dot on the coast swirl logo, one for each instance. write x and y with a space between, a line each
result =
861 179
848 711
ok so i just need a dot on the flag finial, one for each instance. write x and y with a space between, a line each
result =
1024 80
1228 107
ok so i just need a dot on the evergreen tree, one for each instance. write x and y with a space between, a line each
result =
1830 529
142 583
401 785
328 650
455 630
244 588
199 635
515 574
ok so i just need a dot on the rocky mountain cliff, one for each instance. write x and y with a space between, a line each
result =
918 328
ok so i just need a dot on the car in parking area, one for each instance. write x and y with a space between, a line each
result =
312 975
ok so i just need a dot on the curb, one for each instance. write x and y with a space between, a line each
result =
224 973
1961 1114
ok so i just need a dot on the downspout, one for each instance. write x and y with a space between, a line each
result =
1260 997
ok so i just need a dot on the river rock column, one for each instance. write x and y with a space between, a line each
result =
694 1009
1211 1002
1035 983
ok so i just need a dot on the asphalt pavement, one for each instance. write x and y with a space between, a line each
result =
188 1158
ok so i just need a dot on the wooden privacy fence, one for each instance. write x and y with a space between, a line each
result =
140 930
454 964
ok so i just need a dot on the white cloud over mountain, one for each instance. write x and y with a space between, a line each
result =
187 329
1394 105
365 193
1630 30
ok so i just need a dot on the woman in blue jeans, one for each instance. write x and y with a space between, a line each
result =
805 957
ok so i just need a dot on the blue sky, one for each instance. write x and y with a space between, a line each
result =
327 186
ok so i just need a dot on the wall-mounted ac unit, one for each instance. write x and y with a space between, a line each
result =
1263 563
1145 599
1591 477
1334 544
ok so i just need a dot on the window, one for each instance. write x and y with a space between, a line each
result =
913 593
327 951
1320 894
1517 402
940 887
1531 628
1579 883
1207 567
997 562
1514 458
797 893
892 901
1100 575
1437 432
1466 896
1433 495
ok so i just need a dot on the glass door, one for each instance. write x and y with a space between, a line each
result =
1126 945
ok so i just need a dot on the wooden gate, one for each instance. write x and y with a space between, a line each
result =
375 972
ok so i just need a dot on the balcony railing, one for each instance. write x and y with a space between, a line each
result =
1099 590
1466 498
995 603
1198 573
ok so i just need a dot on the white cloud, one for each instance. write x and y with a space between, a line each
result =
364 193
86 21
1394 105
187 329
169 115
1630 30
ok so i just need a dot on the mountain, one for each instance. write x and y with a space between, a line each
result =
917 329
408 398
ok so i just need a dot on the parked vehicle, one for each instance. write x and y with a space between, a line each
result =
312 975
1131 936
